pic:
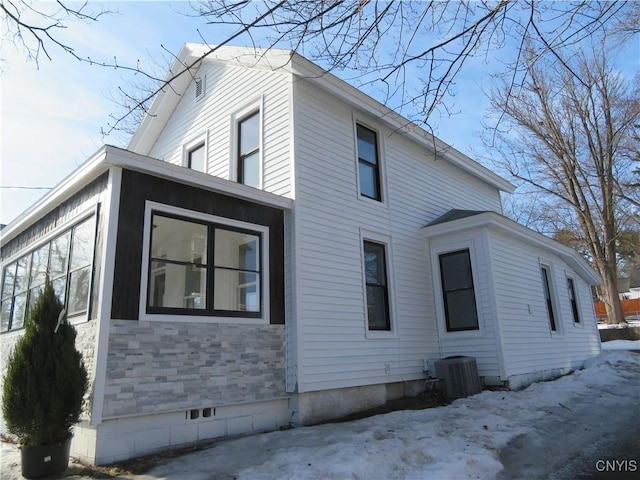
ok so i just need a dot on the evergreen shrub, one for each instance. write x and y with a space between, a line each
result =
46 378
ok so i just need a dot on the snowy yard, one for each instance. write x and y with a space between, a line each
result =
550 430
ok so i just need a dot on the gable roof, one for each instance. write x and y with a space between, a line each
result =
192 55
455 221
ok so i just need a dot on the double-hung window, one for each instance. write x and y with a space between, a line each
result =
67 259
196 158
249 150
458 292
573 300
548 296
203 268
368 163
375 268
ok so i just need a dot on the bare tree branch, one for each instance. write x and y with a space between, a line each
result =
566 135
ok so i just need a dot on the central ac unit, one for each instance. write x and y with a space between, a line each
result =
458 376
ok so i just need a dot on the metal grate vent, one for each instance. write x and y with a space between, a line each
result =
200 84
459 376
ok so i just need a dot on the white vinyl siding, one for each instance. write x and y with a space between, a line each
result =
528 342
230 90
481 343
334 348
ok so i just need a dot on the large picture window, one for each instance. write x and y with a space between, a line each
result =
375 269
458 292
202 268
67 260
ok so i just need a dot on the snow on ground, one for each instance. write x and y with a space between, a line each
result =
492 434
630 322
621 345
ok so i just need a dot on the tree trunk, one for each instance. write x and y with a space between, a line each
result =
610 295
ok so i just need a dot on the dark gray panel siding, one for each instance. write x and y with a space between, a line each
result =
137 188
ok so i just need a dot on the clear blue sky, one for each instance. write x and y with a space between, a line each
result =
52 113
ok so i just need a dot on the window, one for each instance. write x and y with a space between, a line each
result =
546 287
249 150
67 259
573 299
368 163
202 268
375 268
458 292
197 159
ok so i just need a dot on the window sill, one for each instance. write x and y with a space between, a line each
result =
464 333
155 317
381 335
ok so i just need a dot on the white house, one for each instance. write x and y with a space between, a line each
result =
276 248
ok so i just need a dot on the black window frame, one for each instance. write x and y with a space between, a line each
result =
573 300
31 289
243 156
446 291
209 310
547 290
378 286
366 163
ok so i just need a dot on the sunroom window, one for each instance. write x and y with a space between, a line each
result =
67 260
202 268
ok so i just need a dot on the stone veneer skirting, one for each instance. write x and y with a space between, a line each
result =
155 367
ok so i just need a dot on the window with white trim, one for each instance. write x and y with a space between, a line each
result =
573 299
248 158
197 158
68 261
547 288
368 163
377 291
199 267
458 292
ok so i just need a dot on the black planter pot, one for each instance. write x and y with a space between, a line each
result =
45 461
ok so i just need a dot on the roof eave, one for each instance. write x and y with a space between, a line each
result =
348 93
109 156
514 229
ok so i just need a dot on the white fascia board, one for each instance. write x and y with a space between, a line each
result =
109 156
132 161
249 57
520 232
351 95
165 101
181 73
276 59
89 170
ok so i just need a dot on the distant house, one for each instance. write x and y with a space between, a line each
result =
629 287
274 247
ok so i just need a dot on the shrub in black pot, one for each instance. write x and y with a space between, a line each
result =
44 388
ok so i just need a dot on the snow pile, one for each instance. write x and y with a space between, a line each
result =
463 440
621 345
555 430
